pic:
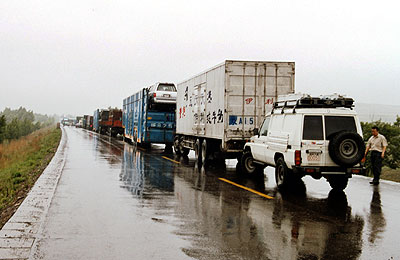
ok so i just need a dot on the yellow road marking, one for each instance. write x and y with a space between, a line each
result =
245 188
170 159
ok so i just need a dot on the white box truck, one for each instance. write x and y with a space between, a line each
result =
218 110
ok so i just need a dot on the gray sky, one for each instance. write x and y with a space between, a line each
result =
76 56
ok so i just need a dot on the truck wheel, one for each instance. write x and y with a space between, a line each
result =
197 151
177 145
134 140
338 182
282 173
168 148
204 152
183 150
346 148
247 165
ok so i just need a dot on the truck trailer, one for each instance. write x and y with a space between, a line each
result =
108 121
96 118
218 110
88 122
145 124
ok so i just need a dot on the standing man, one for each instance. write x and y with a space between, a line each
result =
377 144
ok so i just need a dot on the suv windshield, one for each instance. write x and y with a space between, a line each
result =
264 128
165 87
334 124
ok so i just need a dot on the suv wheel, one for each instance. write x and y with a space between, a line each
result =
346 148
338 182
248 166
282 173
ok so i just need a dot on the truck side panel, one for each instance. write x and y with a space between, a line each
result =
96 118
228 101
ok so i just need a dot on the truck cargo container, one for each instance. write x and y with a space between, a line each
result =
108 121
113 125
144 125
218 110
78 121
104 123
96 118
88 122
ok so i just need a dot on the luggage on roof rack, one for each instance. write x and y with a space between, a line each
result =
306 101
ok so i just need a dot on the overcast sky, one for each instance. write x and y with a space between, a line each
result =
71 57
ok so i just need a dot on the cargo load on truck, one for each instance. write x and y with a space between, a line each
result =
218 110
108 121
146 120
88 122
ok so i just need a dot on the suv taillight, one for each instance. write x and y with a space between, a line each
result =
297 157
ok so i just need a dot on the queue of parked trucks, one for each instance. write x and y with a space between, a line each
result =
218 114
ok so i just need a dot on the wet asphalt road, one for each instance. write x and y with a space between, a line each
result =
117 202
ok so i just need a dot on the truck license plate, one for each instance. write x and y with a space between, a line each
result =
313 156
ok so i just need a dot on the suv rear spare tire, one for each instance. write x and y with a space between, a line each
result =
346 148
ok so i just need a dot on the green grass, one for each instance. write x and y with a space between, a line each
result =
22 161
390 174
387 174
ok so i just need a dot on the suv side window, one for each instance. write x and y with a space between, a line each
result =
312 129
264 127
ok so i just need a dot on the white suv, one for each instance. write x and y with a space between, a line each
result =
163 93
304 135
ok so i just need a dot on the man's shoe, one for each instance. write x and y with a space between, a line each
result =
374 183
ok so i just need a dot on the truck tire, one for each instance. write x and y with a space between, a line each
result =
338 182
346 148
183 150
177 145
204 152
247 165
197 150
283 174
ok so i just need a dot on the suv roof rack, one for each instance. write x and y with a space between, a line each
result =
306 101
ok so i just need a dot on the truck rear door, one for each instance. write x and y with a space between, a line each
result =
251 89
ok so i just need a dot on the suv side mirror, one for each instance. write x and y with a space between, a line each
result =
255 131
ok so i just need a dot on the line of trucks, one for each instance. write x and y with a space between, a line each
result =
217 112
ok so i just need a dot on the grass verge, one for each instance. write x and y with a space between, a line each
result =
387 174
390 174
21 163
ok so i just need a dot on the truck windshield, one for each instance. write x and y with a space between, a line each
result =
334 124
166 87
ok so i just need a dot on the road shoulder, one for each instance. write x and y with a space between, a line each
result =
18 235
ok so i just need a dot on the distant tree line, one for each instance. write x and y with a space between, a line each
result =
21 122
392 133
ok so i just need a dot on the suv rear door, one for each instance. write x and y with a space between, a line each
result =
313 142
333 125
317 131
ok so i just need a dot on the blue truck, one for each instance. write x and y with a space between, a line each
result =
145 122
96 118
